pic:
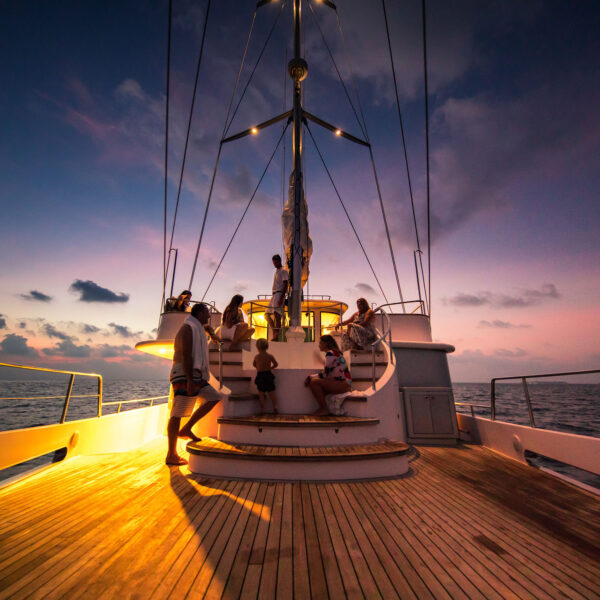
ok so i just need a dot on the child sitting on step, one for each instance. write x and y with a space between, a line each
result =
265 380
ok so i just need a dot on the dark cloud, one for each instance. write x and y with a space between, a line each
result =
2 322
92 292
124 331
68 349
17 345
516 353
87 328
22 325
497 324
111 351
36 296
52 332
365 288
526 298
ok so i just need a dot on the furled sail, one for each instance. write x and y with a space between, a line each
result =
287 221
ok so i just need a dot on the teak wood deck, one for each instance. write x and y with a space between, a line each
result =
466 523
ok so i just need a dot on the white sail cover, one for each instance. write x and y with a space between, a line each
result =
287 222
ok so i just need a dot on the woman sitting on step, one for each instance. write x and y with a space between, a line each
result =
335 377
361 332
233 327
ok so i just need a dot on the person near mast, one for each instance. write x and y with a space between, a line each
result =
274 312
189 378
179 304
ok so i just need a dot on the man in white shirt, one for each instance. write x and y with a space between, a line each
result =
189 378
274 312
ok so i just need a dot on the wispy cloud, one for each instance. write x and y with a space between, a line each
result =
516 353
68 349
498 324
36 296
527 297
124 331
52 332
92 292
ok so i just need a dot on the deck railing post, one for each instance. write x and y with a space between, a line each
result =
493 400
99 395
67 399
373 353
528 400
220 365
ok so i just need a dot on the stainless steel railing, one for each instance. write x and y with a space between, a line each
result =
471 406
67 397
69 393
119 403
524 379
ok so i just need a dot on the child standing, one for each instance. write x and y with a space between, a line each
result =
265 380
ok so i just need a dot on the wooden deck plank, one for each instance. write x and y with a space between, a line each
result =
125 525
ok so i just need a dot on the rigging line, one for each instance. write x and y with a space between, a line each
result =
410 188
335 66
372 158
352 78
212 182
189 126
245 211
346 212
427 155
387 229
255 66
166 156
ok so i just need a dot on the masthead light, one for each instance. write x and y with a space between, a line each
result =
338 132
254 130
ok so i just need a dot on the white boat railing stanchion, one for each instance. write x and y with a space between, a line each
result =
525 385
221 364
67 399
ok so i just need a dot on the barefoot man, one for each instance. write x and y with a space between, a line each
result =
189 378
274 312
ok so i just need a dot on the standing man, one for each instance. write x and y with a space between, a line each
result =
189 378
274 312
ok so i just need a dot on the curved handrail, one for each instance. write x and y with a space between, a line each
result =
381 338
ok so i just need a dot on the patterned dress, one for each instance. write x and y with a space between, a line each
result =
359 335
336 367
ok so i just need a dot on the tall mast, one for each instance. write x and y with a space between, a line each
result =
298 70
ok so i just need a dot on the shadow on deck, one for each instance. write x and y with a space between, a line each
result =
467 524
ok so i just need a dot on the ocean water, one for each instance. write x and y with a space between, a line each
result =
572 408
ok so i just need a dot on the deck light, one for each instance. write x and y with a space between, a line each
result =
338 132
254 131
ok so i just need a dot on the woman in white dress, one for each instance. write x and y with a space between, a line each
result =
233 326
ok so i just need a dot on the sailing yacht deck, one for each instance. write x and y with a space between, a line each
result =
465 523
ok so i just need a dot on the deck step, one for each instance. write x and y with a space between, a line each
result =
292 463
297 430
228 378
227 362
304 421
368 364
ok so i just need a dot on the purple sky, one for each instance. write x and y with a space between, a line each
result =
515 136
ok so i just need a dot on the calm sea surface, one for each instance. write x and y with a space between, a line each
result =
572 408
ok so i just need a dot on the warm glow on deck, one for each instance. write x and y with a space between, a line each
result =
161 348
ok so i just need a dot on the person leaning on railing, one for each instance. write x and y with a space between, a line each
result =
361 328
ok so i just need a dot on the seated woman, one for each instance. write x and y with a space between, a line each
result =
335 377
179 304
361 330
233 326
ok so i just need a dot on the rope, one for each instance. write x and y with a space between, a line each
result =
166 156
212 182
336 67
255 66
245 211
346 211
410 189
427 155
187 136
366 134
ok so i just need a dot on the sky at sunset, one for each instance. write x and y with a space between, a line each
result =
515 172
